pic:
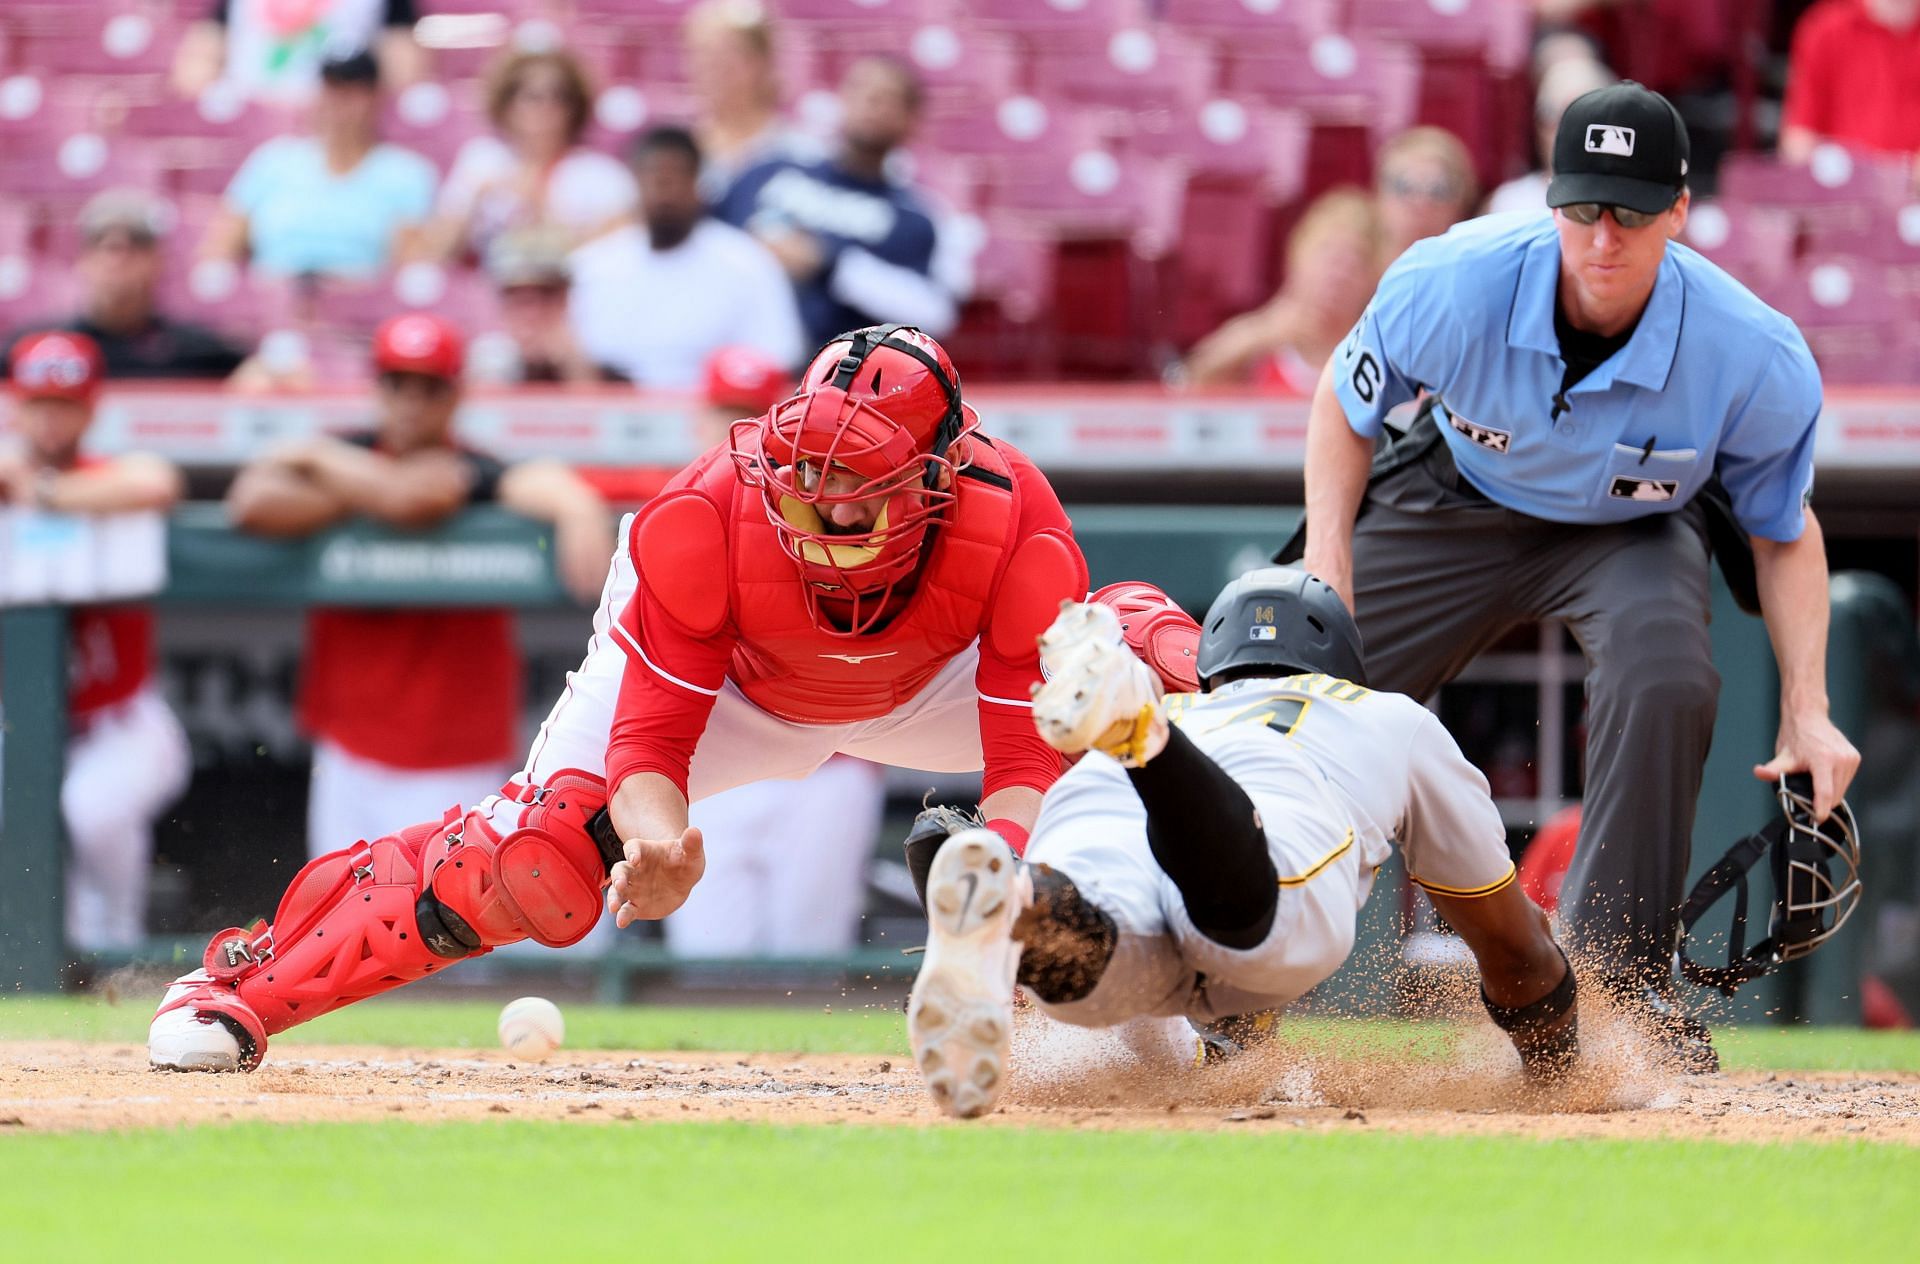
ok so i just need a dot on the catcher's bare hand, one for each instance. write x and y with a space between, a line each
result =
656 877
1812 744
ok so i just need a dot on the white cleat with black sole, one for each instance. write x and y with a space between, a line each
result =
960 1016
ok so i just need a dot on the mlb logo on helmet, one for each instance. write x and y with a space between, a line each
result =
1263 632
1609 138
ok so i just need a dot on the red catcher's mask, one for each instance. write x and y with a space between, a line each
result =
877 416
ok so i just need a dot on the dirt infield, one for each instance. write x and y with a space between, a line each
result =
61 1086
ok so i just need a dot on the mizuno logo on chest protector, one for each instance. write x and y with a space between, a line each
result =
857 659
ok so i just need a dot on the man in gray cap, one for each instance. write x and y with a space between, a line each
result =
1587 389
121 235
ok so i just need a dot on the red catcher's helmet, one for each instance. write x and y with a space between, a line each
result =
58 365
419 343
746 379
882 404
1158 631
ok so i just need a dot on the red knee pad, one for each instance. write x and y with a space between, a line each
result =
541 881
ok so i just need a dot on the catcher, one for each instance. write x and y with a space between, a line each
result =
860 571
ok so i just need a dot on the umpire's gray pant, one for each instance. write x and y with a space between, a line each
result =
1440 573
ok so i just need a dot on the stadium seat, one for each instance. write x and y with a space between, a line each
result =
1042 20
1333 79
1136 67
963 69
1835 177
1231 138
1258 21
1497 31
1755 243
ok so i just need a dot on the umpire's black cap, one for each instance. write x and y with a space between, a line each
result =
1279 619
1622 145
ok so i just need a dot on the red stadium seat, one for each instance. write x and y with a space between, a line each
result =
1259 21
1835 177
1234 139
35 287
1497 31
1136 67
962 68
1755 243
1334 79
1045 19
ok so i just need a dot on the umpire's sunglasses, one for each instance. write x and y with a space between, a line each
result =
1589 213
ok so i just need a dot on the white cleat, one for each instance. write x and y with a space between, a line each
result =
960 1016
182 1039
1098 695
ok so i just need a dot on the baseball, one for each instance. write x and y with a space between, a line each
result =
531 1028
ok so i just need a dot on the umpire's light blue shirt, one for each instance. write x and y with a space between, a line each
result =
1712 380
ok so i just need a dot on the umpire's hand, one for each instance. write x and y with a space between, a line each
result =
656 877
1810 743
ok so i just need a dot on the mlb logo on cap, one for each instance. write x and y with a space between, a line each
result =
1606 138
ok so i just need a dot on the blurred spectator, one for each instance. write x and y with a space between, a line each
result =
653 301
1562 82
338 203
535 342
729 50
127 756
273 49
121 233
412 710
534 172
1333 258
1854 77
859 246
1425 182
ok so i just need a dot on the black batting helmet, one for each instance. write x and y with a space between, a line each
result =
1280 619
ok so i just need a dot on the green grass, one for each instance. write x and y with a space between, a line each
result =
866 1028
539 1192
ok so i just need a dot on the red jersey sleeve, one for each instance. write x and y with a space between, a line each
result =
672 677
1813 63
1022 605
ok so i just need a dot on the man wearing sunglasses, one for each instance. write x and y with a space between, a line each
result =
1586 389
399 728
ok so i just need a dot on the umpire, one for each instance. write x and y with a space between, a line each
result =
1599 404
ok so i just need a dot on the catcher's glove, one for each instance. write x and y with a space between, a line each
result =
934 825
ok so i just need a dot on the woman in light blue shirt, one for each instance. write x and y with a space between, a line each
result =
337 203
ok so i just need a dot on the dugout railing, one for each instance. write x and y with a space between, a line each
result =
491 558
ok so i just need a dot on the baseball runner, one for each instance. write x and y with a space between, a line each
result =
1599 404
859 571
1208 856
127 756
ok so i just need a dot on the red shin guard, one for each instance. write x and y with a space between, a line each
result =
379 915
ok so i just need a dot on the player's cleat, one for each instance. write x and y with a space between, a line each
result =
184 1037
1226 1038
960 1015
1098 694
